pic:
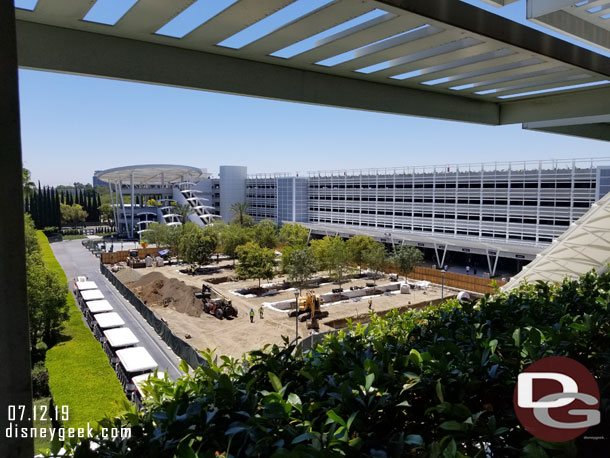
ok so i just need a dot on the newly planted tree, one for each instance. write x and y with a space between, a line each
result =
356 247
294 235
375 258
195 246
255 262
405 258
332 255
265 233
299 264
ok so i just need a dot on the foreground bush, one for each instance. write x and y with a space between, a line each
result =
437 382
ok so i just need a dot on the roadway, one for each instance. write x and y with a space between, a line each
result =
76 260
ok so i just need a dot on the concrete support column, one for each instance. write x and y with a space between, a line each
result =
15 378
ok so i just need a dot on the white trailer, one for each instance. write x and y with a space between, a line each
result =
132 362
84 285
115 339
88 295
102 321
137 396
93 307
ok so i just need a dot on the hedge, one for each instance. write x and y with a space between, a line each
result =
432 383
79 373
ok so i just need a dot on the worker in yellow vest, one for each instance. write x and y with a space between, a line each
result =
251 315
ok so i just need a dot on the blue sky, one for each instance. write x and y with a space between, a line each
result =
73 125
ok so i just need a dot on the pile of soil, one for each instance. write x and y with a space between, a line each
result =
155 290
128 275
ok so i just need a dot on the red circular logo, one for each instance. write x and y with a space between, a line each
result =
556 399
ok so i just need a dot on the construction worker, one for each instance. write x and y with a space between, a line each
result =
260 311
370 303
251 315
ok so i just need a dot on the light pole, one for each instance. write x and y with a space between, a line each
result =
296 313
442 284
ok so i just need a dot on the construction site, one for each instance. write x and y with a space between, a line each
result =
180 299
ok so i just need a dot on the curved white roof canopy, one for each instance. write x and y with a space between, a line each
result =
151 174
585 246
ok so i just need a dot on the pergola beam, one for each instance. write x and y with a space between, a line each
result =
58 49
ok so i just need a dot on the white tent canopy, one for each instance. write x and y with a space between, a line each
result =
585 246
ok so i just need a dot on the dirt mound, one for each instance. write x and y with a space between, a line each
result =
154 289
128 275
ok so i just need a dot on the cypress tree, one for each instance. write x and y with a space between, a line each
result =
57 211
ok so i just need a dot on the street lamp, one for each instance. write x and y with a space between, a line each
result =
296 313
442 284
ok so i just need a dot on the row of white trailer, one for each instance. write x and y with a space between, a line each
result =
132 363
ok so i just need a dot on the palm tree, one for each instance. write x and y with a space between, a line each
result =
240 208
28 185
183 211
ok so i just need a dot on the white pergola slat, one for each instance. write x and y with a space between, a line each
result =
585 20
434 58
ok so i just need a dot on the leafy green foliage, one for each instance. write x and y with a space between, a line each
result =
233 236
294 235
332 255
195 245
357 246
183 211
405 258
255 262
299 264
46 293
375 258
72 214
163 235
106 214
265 233
240 209
436 382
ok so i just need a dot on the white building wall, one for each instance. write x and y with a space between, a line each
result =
232 188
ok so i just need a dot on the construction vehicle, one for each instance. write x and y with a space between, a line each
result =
309 308
220 306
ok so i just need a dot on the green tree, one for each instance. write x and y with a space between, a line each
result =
294 235
240 209
405 258
72 214
183 211
375 258
255 262
47 303
195 246
233 236
106 214
299 264
163 235
356 247
243 220
265 233
46 293
332 255
28 185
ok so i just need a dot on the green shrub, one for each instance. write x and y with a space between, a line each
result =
436 382
79 373
40 382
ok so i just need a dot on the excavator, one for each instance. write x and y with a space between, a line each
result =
309 308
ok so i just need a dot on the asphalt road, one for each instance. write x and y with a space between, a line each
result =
77 260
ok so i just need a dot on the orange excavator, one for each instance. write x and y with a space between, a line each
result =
309 308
